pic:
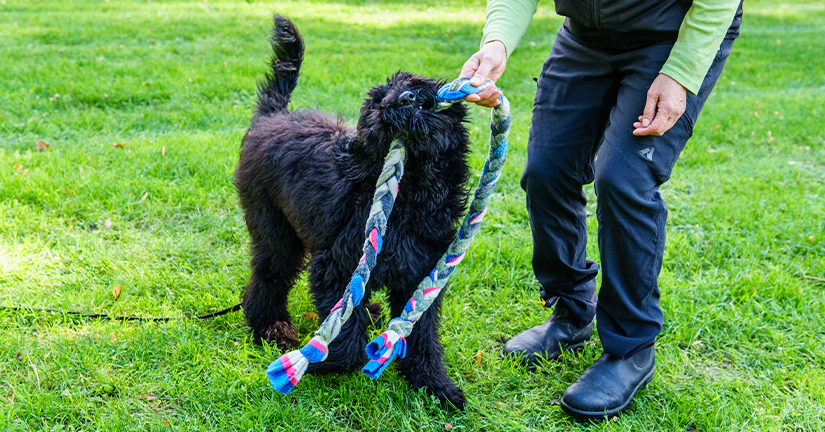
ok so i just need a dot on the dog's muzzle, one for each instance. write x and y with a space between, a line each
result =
406 98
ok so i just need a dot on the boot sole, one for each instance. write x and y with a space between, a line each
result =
603 415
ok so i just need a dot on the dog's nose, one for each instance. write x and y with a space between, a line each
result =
406 98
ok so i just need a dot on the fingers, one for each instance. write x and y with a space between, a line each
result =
649 116
482 74
486 65
492 100
470 67
664 105
644 126
660 125
649 112
489 97
666 117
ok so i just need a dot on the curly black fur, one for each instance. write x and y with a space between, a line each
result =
306 181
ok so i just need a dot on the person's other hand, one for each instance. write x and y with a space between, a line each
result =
665 104
487 64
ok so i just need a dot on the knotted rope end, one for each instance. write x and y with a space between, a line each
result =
285 372
382 350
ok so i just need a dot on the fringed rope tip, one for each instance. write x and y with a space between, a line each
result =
285 372
382 350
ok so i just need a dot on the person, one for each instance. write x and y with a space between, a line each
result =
626 79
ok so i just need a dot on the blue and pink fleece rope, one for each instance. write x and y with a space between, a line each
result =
285 372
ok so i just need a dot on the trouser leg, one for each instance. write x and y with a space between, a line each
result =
576 89
630 210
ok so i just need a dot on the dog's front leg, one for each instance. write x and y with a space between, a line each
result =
346 352
423 366
265 297
328 281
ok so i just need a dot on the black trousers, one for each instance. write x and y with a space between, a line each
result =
587 101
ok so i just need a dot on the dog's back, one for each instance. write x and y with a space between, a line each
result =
282 148
287 54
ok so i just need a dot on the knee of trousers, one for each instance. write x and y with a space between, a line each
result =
551 179
623 183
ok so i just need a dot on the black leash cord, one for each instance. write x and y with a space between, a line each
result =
230 309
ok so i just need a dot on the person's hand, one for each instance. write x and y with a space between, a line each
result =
665 104
487 64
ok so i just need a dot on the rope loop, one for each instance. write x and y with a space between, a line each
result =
431 287
457 90
285 372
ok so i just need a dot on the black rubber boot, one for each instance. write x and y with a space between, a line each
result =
561 332
607 387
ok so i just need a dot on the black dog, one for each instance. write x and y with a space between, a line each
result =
306 181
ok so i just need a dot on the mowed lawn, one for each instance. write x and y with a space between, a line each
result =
144 104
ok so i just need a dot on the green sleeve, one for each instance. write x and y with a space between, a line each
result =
507 21
699 38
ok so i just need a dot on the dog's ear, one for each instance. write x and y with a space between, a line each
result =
371 109
378 93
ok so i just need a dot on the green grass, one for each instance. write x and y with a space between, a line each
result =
742 347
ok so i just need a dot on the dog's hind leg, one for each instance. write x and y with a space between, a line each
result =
277 258
328 280
423 366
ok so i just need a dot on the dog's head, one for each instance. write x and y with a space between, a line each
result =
404 107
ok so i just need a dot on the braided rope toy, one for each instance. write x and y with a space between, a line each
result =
285 372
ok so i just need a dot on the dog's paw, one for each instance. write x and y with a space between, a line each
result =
453 396
449 395
375 314
283 334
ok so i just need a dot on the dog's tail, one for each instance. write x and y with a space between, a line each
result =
287 54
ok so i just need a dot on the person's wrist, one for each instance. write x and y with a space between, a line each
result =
674 80
497 45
